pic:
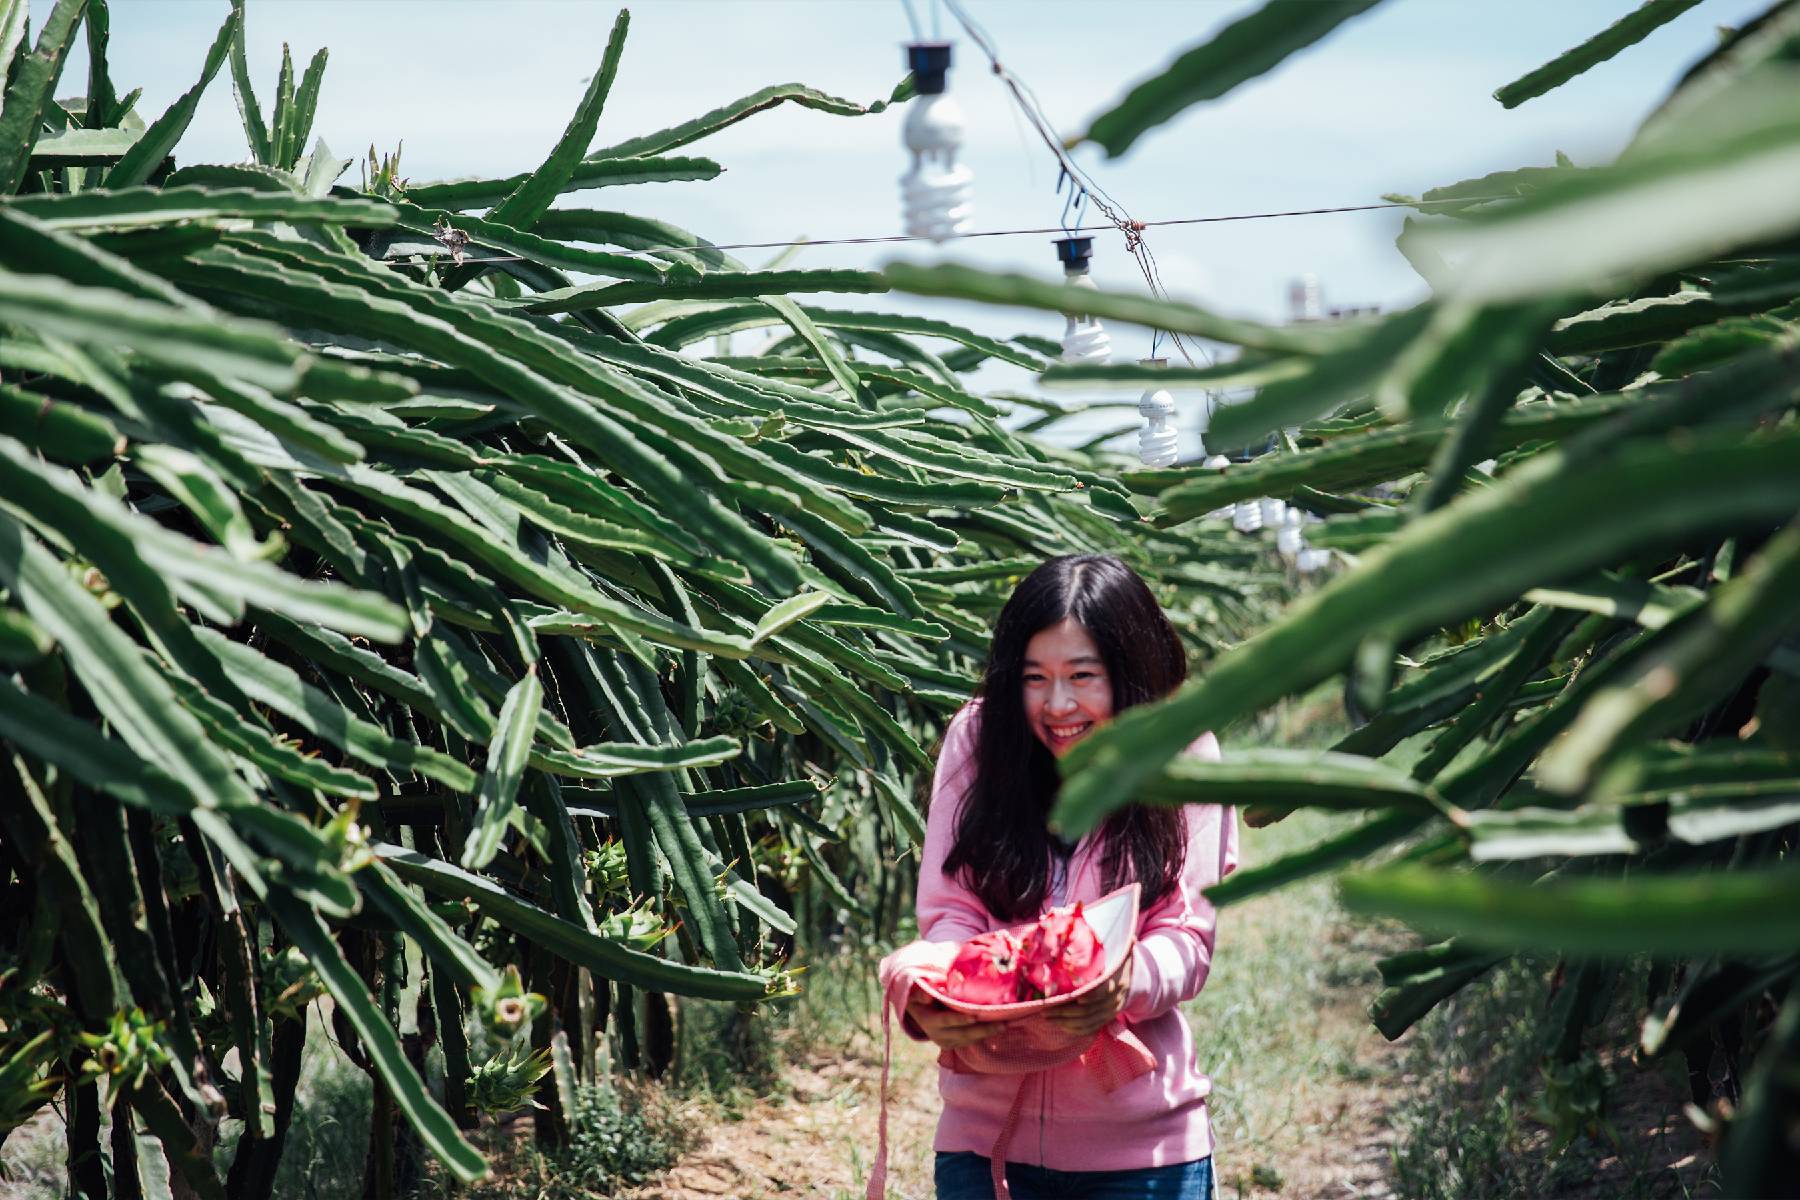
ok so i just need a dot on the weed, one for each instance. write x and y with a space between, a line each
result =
1277 1014
327 1139
620 1136
725 1055
1470 1128
731 1057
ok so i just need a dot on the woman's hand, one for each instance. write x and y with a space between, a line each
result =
1096 1010
949 1029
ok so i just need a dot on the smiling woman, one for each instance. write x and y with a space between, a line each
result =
1067 690
1080 639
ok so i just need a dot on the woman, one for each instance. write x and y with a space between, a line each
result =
1080 639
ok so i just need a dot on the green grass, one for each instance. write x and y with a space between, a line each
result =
730 1058
620 1136
1471 1053
1472 1125
1282 1028
1279 1026
322 1160
328 1138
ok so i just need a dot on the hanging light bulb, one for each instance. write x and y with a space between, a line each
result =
934 192
1219 462
1084 338
1156 440
1310 558
1248 517
1290 543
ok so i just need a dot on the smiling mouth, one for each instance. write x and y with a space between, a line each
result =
1063 735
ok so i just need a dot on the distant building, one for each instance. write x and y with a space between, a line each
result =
1306 303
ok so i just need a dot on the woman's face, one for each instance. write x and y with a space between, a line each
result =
1066 691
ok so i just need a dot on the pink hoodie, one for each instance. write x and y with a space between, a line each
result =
1070 1123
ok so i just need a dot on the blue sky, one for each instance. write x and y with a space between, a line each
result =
1397 100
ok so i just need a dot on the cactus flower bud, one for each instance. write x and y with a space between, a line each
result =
510 1012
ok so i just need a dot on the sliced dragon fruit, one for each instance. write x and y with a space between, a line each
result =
1059 954
986 969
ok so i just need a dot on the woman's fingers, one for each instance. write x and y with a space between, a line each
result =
1095 1010
1077 1021
964 1035
1083 1018
948 1028
932 1017
952 1030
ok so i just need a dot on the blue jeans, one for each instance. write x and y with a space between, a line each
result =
965 1176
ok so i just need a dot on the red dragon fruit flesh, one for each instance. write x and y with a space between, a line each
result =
986 969
1060 953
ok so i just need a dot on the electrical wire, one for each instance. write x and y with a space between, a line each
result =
1083 189
1110 208
990 233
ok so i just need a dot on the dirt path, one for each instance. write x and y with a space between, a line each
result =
1308 1102
1301 1082
1322 1135
816 1136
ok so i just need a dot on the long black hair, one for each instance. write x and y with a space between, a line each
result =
1002 841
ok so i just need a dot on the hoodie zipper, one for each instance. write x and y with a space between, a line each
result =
1072 872
1043 1091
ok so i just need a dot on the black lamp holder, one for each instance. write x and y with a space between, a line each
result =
1073 252
929 63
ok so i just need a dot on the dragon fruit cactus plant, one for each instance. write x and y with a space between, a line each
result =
986 969
1059 954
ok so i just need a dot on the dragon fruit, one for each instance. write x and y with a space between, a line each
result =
986 969
1059 954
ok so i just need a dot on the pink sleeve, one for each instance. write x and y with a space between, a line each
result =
1175 938
948 911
